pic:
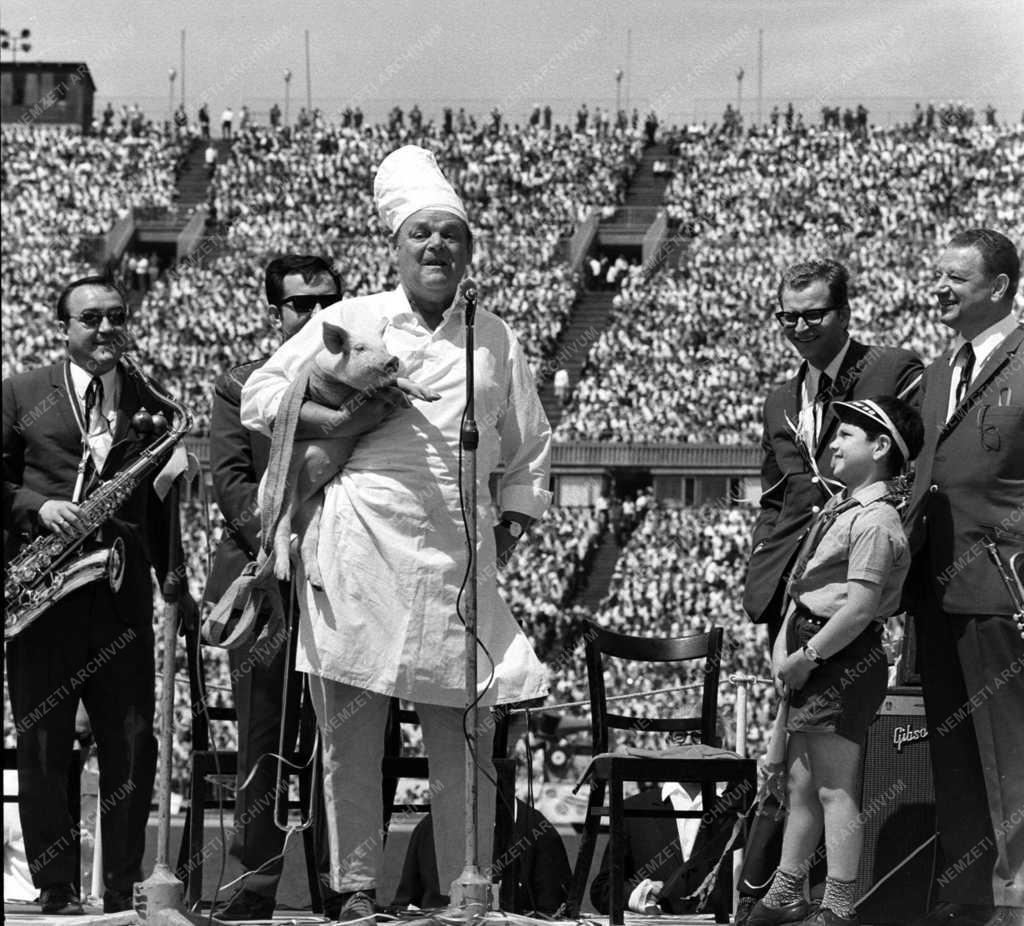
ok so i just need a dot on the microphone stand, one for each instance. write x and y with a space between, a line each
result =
471 890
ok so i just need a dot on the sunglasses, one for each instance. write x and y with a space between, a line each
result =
811 317
93 318
307 302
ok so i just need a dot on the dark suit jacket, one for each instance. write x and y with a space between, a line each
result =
238 458
537 858
653 851
41 451
789 488
969 484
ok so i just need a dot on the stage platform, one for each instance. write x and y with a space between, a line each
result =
29 914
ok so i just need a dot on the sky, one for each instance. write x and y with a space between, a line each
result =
680 57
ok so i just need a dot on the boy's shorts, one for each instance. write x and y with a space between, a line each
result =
843 694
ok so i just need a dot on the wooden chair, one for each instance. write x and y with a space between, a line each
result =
703 763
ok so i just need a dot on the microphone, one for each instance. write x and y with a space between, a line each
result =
468 289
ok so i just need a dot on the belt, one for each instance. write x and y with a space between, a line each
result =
809 616
876 624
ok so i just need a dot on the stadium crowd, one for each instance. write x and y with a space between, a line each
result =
689 351
686 357
309 191
60 189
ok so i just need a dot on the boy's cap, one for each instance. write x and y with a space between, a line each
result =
865 410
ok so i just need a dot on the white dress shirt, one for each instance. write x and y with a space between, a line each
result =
812 412
984 345
683 796
100 427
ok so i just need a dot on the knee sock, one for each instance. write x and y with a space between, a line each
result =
787 886
840 897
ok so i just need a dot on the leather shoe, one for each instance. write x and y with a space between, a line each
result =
823 916
955 914
246 905
1007 916
117 902
60 900
743 908
793 912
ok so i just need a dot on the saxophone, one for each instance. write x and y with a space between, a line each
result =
51 566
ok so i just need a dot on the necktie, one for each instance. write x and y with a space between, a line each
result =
821 399
965 356
93 401
824 394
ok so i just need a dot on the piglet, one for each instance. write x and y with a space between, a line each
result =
352 365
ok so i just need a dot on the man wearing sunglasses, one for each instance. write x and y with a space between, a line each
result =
796 474
297 287
66 427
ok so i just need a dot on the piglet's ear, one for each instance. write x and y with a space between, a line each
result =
336 338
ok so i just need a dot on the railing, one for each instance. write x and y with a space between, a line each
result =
654 238
582 238
733 459
191 233
632 217
729 458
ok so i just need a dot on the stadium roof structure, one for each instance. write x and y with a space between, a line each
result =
51 66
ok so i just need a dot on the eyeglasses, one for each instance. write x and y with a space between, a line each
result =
306 302
811 317
93 318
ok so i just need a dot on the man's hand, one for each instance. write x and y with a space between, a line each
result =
356 417
779 657
795 671
61 517
505 543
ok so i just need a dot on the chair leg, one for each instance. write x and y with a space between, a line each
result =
309 843
616 853
181 868
196 821
504 823
723 904
585 853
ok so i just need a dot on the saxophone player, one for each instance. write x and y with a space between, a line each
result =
68 427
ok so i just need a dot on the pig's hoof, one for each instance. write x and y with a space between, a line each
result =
283 571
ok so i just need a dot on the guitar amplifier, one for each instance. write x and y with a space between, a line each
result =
898 809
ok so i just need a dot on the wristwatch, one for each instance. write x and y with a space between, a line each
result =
513 527
811 653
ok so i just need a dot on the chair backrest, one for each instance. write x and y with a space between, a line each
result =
602 643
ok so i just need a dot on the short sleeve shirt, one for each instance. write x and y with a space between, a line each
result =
866 543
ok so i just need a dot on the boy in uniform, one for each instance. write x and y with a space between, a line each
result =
829 657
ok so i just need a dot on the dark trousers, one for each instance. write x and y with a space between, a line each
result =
257 676
972 670
80 650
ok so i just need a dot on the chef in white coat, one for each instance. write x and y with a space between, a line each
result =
393 548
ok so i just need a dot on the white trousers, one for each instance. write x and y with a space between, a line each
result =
352 722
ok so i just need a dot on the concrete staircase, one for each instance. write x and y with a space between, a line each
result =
193 184
589 318
593 309
599 579
646 189
193 181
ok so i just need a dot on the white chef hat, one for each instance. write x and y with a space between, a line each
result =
408 180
